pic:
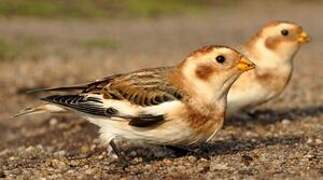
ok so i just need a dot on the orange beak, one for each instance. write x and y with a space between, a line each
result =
303 38
245 64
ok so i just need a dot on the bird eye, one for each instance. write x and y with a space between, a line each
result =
284 32
220 59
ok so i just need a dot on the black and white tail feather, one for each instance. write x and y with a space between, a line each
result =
92 106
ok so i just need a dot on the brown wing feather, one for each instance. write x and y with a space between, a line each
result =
146 87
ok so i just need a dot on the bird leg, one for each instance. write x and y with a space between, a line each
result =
117 151
111 153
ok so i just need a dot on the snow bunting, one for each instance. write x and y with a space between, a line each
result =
179 105
272 49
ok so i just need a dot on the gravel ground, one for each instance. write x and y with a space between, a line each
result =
281 140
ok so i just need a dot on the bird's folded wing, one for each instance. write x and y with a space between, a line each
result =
145 87
95 106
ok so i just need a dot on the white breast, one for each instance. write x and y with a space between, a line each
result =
247 91
243 97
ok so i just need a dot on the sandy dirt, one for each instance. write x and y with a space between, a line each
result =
282 140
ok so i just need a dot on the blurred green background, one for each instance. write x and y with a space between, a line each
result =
31 46
100 8
17 43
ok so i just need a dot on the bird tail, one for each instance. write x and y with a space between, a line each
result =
51 108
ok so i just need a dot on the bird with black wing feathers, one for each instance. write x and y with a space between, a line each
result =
180 105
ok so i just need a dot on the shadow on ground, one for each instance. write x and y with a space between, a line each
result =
227 146
268 116
233 145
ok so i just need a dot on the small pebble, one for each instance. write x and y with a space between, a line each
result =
133 153
58 164
167 161
318 141
100 157
60 153
12 158
53 122
309 156
220 166
90 171
70 171
285 121
309 141
30 149
85 149
74 163
192 159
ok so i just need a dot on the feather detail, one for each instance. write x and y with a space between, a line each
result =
146 120
90 105
95 106
40 109
144 87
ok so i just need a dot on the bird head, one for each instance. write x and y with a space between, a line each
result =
278 40
211 70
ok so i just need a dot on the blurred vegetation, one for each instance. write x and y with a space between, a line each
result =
35 48
99 8
20 46
99 44
7 51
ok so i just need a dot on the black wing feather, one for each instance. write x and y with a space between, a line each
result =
90 105
94 106
146 120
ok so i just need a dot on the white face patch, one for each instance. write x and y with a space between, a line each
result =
268 58
265 57
210 89
275 31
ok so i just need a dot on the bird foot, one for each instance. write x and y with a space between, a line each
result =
116 154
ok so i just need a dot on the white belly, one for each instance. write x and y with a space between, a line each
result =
173 131
168 133
239 99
